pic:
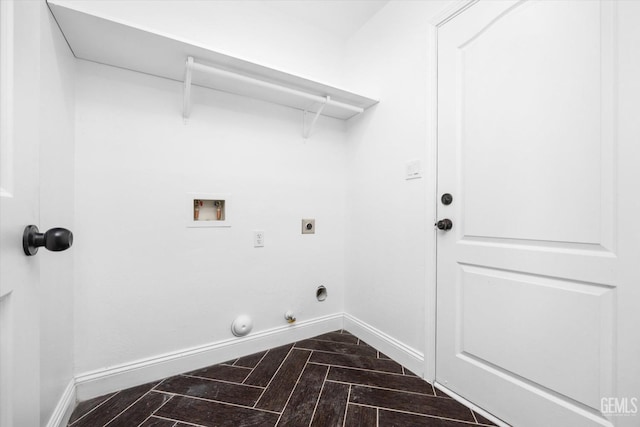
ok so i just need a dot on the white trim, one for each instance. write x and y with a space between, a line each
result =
468 404
405 355
6 101
64 408
6 359
449 11
103 381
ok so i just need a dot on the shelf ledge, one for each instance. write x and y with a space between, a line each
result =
108 41
267 89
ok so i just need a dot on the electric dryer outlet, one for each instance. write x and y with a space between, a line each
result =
308 226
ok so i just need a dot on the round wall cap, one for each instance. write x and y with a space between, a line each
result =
242 325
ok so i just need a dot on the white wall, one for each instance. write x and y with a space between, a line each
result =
250 29
182 287
136 160
147 284
56 111
389 224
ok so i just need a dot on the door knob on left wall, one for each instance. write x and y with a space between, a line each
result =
55 239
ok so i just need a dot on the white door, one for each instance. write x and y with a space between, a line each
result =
538 279
19 207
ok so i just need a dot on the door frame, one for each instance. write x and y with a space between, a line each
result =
431 291
6 190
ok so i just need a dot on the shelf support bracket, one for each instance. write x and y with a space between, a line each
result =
306 131
186 105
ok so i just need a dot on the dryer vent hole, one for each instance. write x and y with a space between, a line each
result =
321 293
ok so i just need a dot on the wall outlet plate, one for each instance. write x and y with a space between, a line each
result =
258 238
308 226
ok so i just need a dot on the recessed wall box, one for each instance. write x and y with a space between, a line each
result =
208 210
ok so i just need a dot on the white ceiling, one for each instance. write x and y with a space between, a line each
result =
340 17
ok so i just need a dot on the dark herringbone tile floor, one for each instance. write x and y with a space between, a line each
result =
331 380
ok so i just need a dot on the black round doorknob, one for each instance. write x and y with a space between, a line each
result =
446 199
55 239
444 224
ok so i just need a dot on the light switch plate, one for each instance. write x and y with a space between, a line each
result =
309 226
413 169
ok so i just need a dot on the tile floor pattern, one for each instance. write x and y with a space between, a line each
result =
333 379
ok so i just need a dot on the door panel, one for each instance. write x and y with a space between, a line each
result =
19 207
528 277
563 320
544 93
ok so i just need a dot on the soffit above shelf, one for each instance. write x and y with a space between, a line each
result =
111 42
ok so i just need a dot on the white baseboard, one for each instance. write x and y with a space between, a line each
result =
100 382
64 408
465 402
398 351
